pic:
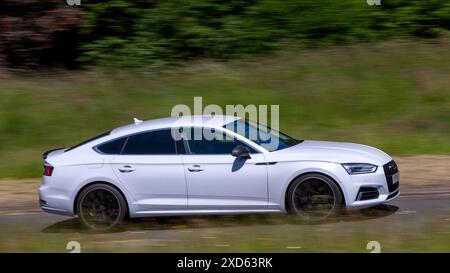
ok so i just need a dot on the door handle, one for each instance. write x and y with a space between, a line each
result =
126 169
195 168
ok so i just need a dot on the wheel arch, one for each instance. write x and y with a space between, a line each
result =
75 209
286 203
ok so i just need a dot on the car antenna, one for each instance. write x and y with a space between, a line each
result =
137 121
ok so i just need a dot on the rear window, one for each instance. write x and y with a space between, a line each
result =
87 141
150 143
112 147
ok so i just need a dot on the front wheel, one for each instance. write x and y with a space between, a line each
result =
314 197
101 207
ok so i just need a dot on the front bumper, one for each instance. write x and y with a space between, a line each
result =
372 189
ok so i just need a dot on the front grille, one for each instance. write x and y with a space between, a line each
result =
391 168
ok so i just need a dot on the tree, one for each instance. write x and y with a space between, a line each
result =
34 32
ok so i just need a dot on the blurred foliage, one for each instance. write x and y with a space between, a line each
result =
35 32
119 33
140 33
168 31
392 95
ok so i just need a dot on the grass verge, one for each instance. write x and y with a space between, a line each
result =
393 95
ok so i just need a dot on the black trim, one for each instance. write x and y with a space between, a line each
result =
124 145
44 155
367 193
266 163
179 145
390 169
392 195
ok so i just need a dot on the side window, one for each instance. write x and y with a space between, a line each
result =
217 143
113 147
150 143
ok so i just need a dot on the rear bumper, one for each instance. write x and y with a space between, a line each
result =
55 200
56 211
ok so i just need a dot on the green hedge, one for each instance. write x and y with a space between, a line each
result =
142 33
145 33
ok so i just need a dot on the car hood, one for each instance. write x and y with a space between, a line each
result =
339 152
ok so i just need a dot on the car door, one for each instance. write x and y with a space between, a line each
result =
152 170
218 181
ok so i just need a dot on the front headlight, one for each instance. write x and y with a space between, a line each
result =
359 168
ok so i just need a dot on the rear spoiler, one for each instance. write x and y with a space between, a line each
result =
44 155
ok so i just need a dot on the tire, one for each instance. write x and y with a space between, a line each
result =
101 207
314 197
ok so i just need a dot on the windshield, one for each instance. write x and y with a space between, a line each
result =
269 138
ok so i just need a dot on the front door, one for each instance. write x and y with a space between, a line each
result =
216 180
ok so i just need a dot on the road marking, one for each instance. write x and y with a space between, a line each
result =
127 241
407 212
18 213
136 232
186 231
423 194
209 237
180 226
99 243
160 245
293 247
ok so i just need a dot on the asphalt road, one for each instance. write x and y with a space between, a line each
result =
414 223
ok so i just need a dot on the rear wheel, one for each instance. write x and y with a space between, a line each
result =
314 197
101 207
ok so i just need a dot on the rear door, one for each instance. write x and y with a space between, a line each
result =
152 170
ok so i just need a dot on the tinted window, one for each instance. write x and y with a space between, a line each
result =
150 143
113 147
216 143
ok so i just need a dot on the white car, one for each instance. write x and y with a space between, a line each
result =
145 170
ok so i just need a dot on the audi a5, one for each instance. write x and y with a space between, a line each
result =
170 166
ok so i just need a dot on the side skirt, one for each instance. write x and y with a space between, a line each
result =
198 212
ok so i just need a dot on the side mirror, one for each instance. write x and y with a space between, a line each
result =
241 152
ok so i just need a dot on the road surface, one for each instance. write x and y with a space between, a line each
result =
413 223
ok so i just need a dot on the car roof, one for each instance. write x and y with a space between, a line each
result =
170 122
